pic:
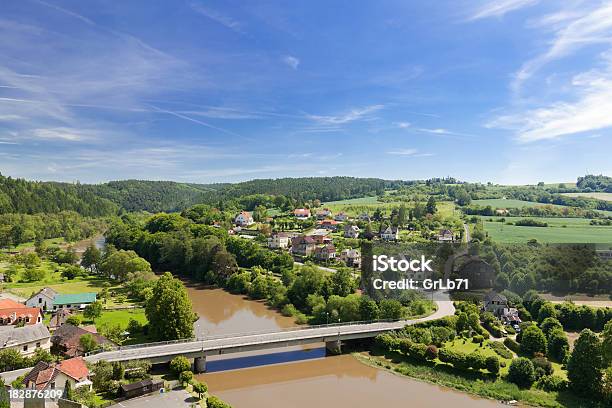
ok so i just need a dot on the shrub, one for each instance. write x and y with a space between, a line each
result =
432 352
551 383
558 345
533 341
179 364
478 339
289 310
476 361
521 372
185 377
542 366
512 344
215 402
492 364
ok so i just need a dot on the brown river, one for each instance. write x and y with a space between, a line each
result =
301 377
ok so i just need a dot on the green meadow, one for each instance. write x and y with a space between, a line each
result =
559 230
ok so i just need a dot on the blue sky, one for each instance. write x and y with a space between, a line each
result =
508 91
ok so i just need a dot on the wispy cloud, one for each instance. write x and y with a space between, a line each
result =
351 116
408 152
291 61
403 125
498 8
218 17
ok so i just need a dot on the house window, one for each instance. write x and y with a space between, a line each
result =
38 344
53 385
39 300
25 348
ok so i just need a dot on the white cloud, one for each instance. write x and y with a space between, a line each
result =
291 61
351 116
408 152
402 125
498 8
218 17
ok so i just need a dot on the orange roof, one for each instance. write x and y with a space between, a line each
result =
75 368
300 211
22 312
10 304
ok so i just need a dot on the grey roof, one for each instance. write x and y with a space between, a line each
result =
494 296
50 293
13 336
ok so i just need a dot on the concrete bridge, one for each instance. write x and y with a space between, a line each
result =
199 349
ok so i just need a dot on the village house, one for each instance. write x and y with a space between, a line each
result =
73 301
445 235
321 239
351 231
390 234
43 299
66 340
495 303
59 318
55 375
25 339
331 225
302 245
324 213
278 240
244 219
301 213
325 252
351 257
15 313
501 211
364 217
341 217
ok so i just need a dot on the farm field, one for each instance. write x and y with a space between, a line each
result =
509 203
559 230
356 206
599 196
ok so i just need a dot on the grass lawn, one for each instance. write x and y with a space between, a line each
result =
122 318
509 203
362 200
559 230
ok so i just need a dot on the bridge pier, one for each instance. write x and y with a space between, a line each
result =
199 365
333 347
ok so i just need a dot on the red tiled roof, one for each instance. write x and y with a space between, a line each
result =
10 304
32 312
301 211
75 368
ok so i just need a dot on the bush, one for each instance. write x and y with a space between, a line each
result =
431 353
533 341
215 402
289 310
478 339
542 366
512 344
521 372
551 383
492 364
558 345
179 364
186 377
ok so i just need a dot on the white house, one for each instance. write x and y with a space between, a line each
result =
390 234
301 213
25 339
244 219
43 299
351 257
278 240
351 231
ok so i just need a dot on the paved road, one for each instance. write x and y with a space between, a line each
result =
467 235
170 399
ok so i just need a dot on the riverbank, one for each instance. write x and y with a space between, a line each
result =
473 384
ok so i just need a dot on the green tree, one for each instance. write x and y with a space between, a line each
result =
200 388
68 391
169 310
584 367
547 310
215 402
93 310
533 341
430 207
179 364
11 359
368 309
91 258
186 377
550 324
390 309
521 372
74 320
606 346
558 345
4 397
88 342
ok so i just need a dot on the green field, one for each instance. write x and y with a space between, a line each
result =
599 196
362 200
356 206
559 230
503 203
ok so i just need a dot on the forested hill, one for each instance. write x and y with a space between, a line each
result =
308 188
29 197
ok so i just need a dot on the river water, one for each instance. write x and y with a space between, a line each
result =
301 377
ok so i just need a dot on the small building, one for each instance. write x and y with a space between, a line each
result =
301 213
351 257
325 252
59 318
20 315
510 316
390 234
303 245
66 340
351 231
364 217
25 339
445 235
323 213
495 303
331 225
43 299
244 219
141 388
278 240
73 301
341 217
55 375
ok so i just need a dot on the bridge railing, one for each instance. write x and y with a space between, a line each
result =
243 334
